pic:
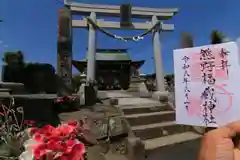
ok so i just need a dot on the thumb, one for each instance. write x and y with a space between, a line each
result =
234 129
227 131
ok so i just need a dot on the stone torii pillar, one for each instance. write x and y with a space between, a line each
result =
91 54
64 50
158 56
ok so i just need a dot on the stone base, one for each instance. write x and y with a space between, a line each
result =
160 96
13 87
135 149
102 95
143 91
144 94
90 95
4 91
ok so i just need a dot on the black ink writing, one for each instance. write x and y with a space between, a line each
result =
224 62
186 80
206 54
208 97
223 53
209 104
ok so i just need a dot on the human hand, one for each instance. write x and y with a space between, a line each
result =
218 144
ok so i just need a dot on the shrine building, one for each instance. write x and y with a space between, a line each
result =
114 68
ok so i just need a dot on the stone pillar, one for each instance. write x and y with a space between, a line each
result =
64 49
158 56
91 55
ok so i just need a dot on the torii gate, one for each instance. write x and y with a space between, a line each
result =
64 66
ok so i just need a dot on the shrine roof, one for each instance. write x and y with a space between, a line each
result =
99 50
111 55
80 65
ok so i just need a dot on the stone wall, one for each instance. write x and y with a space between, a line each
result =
35 77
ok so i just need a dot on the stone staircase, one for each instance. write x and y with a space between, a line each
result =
155 124
133 87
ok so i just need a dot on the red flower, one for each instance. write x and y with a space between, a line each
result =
29 122
77 152
63 157
65 99
73 123
61 141
66 129
47 128
70 144
40 151
55 145
32 130
38 137
59 100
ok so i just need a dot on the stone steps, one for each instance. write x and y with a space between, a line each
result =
150 118
134 86
154 124
151 131
112 156
154 107
187 149
131 89
157 143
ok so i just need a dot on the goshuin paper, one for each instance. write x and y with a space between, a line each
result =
207 85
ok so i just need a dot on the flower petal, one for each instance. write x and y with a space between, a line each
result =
78 152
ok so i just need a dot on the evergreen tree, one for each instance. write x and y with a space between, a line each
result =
217 37
186 40
13 58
